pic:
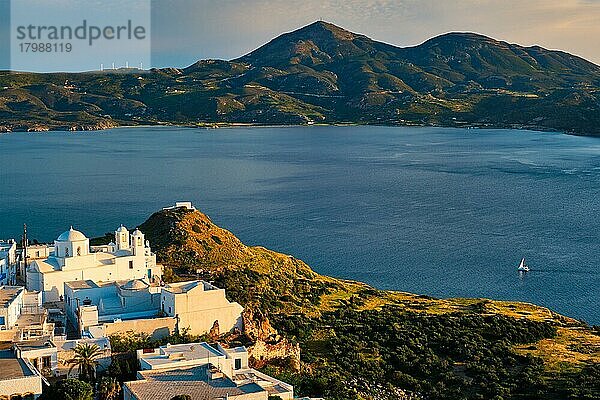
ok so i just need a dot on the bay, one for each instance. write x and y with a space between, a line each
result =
437 211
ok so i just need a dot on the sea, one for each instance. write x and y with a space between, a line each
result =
435 211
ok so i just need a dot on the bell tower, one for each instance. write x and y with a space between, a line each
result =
122 238
137 242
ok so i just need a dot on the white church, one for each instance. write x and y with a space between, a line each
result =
72 259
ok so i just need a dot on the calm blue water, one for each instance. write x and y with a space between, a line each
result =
444 212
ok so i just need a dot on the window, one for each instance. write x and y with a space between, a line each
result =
238 363
66 252
170 310
79 251
130 264
47 362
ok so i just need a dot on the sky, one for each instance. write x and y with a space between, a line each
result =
184 31
230 28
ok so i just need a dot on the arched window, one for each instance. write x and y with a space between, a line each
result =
79 251
66 252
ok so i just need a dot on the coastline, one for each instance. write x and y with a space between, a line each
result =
233 125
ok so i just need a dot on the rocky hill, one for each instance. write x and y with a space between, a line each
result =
322 73
261 279
357 342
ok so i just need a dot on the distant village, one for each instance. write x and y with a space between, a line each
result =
59 300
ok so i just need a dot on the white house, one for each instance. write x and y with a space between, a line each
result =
18 377
21 315
8 262
124 300
52 357
11 303
195 305
41 353
202 372
74 260
181 204
66 352
183 355
198 305
34 252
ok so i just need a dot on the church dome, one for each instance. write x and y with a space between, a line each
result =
122 229
71 235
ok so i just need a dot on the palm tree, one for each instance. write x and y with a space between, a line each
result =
85 361
109 388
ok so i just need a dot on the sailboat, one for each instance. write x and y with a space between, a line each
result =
523 267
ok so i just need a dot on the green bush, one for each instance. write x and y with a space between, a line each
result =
356 354
69 389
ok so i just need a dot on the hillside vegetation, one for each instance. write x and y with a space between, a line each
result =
322 73
358 342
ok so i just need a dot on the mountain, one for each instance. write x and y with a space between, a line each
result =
340 339
322 73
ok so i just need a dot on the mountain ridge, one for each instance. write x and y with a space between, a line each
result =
321 73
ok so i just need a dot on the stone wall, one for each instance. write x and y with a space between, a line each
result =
157 328
261 352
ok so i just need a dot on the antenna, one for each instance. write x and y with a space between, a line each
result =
126 64
113 65
101 67
25 245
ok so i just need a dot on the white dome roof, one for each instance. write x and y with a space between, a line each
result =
71 236
137 233
122 229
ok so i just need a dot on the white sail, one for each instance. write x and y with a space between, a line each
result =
523 266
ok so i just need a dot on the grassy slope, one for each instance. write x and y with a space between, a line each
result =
280 285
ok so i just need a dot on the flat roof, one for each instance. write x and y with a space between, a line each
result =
40 246
191 381
233 350
181 352
27 320
103 343
35 345
90 284
11 367
83 284
184 287
8 294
